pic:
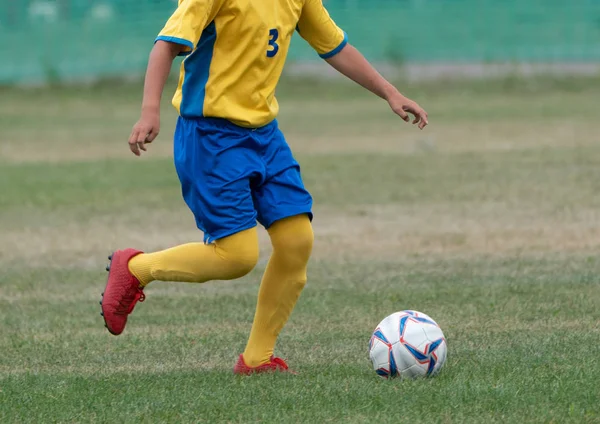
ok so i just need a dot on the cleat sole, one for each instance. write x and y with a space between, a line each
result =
102 312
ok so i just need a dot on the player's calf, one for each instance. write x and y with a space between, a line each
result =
225 259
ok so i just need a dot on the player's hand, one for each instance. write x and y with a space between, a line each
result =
144 131
402 106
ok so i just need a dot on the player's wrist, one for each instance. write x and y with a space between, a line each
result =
390 92
150 109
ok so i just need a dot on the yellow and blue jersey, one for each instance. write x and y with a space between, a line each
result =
236 50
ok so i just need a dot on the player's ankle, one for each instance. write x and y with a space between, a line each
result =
141 269
254 361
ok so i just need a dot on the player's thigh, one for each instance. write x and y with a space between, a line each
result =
281 196
282 193
215 178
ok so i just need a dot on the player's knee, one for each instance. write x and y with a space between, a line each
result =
243 259
239 252
299 245
293 238
242 264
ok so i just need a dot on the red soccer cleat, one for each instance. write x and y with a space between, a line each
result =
274 365
122 291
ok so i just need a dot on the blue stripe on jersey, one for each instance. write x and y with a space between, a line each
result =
176 40
197 67
337 49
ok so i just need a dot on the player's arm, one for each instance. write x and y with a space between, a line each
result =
321 32
160 62
351 63
179 36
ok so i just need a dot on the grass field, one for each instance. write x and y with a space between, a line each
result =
489 221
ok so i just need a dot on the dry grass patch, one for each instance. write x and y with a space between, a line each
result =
449 138
109 142
375 231
395 231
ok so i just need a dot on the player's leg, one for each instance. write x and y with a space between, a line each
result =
284 208
282 283
131 270
215 176
226 259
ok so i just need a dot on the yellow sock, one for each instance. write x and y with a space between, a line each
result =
226 259
284 279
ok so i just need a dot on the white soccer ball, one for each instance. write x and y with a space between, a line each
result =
407 344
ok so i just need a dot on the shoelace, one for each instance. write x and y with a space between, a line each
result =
126 307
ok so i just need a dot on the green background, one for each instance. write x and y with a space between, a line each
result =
79 39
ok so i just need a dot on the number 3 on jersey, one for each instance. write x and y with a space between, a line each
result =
273 46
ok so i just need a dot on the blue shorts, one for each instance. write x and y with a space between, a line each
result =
232 177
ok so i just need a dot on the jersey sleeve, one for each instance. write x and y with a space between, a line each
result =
319 30
186 24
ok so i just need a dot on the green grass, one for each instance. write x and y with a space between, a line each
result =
494 231
522 337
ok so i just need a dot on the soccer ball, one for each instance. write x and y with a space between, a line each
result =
407 344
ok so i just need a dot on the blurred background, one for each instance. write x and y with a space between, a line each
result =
488 220
511 88
58 40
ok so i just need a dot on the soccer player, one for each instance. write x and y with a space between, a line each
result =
234 164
